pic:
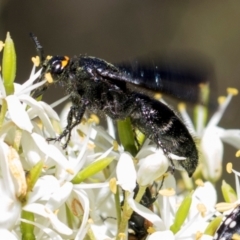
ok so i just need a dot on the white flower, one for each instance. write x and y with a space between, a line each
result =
13 185
151 167
75 193
126 173
212 136
196 220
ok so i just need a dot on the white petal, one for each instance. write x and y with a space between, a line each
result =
212 154
10 212
50 150
32 153
187 120
58 225
219 113
43 189
36 208
230 136
2 88
18 114
50 112
91 185
83 198
26 84
7 182
167 235
10 207
100 231
37 110
52 234
206 237
206 194
151 168
60 196
147 150
6 234
126 173
48 214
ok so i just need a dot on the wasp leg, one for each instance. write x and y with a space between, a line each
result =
76 112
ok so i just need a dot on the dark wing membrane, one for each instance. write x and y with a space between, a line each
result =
177 79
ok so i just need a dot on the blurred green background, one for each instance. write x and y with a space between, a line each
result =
122 30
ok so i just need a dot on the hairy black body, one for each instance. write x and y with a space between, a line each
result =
99 86
96 85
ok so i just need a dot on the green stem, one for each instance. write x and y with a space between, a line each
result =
118 206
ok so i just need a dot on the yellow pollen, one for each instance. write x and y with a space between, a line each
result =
48 77
181 107
229 167
81 133
223 206
235 236
198 235
56 211
122 236
202 209
1 45
151 230
70 171
93 119
113 185
48 57
90 221
167 192
238 153
115 145
221 100
163 176
157 96
36 61
232 91
91 145
17 172
45 166
76 207
199 182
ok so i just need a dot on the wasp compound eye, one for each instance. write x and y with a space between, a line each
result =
57 64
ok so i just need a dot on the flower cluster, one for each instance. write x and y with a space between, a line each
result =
88 190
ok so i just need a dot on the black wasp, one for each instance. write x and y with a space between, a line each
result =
229 226
99 86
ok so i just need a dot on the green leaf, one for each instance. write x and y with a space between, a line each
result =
213 225
181 213
33 175
92 169
9 65
126 135
228 192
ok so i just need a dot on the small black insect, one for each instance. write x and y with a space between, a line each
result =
99 86
229 226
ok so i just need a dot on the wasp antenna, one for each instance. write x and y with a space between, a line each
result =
38 46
